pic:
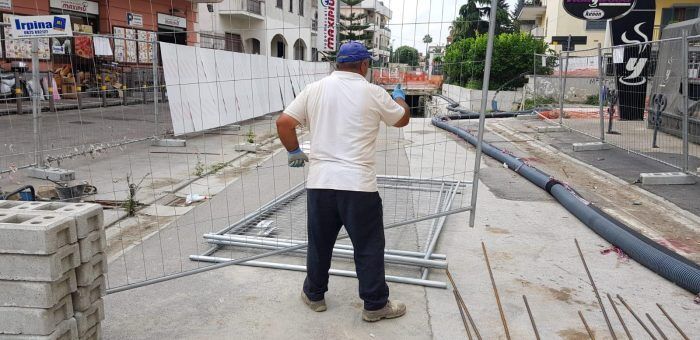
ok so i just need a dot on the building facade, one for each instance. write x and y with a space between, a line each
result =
377 17
278 28
672 11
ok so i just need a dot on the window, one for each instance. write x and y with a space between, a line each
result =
234 42
595 25
212 41
280 3
678 13
291 6
301 7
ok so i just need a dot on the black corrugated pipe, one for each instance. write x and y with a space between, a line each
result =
453 106
640 248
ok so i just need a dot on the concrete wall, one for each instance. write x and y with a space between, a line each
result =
577 89
471 99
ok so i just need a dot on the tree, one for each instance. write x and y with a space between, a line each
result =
473 19
354 26
407 55
427 39
512 60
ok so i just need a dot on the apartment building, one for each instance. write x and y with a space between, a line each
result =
278 28
378 17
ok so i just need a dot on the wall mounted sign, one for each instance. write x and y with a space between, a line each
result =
598 9
42 26
171 20
328 25
80 6
133 19
5 4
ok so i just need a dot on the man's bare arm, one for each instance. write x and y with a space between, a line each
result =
286 129
407 113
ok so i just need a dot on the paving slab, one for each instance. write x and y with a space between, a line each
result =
35 321
36 294
46 268
66 330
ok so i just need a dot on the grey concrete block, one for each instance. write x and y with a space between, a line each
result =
54 174
247 147
667 178
35 321
592 146
44 268
169 142
88 217
88 272
66 330
34 234
37 294
84 297
93 244
94 333
551 128
90 317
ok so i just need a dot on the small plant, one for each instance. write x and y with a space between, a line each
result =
530 103
200 168
131 203
592 99
250 136
216 167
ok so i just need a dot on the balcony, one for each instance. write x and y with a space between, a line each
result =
538 32
532 9
314 25
243 9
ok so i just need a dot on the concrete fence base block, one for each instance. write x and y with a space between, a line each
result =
87 273
37 294
90 317
46 268
94 333
527 117
88 217
85 297
35 321
592 146
54 174
551 128
667 178
66 330
93 244
34 234
174 143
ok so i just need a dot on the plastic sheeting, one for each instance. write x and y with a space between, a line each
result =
212 88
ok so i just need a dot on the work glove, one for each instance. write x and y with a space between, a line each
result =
297 158
398 92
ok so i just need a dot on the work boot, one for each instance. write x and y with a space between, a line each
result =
316 306
393 309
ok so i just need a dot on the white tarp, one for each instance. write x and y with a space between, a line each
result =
212 88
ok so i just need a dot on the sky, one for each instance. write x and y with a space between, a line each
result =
413 19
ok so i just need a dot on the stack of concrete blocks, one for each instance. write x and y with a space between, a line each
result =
52 268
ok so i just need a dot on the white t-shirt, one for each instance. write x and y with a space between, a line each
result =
343 112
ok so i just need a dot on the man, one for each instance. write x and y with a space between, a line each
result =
343 113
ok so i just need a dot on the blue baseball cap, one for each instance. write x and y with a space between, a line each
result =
353 51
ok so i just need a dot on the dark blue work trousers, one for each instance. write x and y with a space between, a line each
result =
361 214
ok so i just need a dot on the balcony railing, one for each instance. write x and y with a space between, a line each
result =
537 32
314 24
254 6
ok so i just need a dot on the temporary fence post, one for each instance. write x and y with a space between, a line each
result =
601 92
103 89
18 91
143 91
52 103
78 92
125 100
35 102
534 79
561 88
684 65
154 50
482 113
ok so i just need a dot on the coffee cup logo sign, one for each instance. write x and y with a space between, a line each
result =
598 9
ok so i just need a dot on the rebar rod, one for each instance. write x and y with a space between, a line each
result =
405 260
595 290
585 324
658 329
336 272
461 313
680 331
495 292
256 239
532 319
624 303
617 312
464 305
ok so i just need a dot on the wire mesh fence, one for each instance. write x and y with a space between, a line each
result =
646 106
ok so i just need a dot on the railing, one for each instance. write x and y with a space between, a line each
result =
538 32
254 6
314 24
